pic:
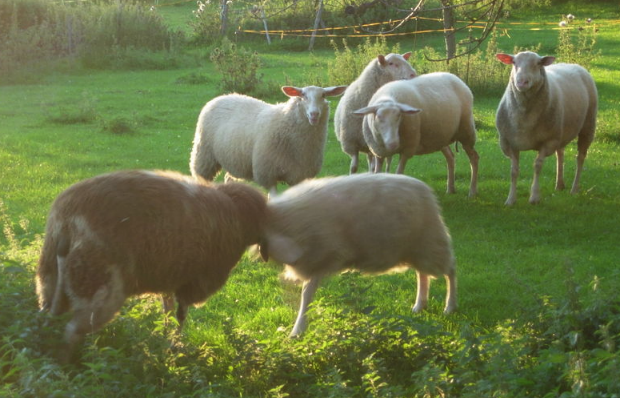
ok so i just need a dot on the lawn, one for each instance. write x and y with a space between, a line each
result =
537 284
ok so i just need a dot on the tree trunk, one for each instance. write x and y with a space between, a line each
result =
448 29
316 24
224 17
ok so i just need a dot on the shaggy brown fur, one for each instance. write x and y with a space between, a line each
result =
133 232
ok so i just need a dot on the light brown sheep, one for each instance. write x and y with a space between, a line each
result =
393 123
370 222
348 127
132 232
261 142
544 108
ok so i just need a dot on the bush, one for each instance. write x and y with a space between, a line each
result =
238 66
349 64
34 33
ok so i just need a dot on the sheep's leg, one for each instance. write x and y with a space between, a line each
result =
586 136
582 146
388 164
559 177
354 163
402 162
307 293
371 162
473 162
538 164
422 296
181 314
273 192
451 292
514 175
167 302
378 164
449 155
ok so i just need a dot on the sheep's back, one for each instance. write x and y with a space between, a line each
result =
161 232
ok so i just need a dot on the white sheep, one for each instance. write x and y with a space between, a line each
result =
544 108
370 222
261 142
392 124
133 232
348 128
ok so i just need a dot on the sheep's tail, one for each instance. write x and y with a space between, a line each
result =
49 279
202 161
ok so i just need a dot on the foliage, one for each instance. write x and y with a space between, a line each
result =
238 66
105 35
576 43
347 64
206 23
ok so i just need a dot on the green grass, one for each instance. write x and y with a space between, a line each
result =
530 277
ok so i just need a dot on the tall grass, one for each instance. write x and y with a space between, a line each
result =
36 33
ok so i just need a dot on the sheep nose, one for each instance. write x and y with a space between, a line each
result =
313 118
522 84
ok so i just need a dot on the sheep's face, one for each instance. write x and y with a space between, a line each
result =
383 119
528 69
397 66
312 100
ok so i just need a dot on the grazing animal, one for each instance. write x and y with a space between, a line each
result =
393 125
133 232
369 222
348 127
261 142
544 108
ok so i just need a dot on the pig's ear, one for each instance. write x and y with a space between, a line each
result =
282 249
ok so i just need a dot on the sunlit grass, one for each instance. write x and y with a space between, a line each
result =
517 267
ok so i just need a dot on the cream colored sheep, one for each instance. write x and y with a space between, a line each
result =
370 222
392 124
132 232
348 127
544 108
261 142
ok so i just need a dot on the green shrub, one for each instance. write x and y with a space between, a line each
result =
206 23
576 44
348 64
36 32
238 66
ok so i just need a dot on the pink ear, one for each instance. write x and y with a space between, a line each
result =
505 58
407 55
291 91
381 59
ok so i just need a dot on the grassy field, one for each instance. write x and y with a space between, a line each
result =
537 284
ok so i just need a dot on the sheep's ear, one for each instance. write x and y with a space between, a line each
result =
292 91
547 60
409 110
333 91
283 249
381 59
407 55
365 111
505 58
